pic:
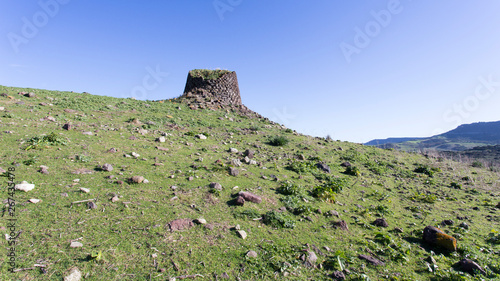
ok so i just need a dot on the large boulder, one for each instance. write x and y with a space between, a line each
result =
436 236
250 197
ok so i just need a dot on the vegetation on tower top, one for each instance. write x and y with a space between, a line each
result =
208 74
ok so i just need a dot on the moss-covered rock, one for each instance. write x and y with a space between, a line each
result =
437 237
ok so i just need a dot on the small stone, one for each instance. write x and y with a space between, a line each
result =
233 150
115 199
84 190
240 201
91 205
346 164
44 169
112 150
323 167
2 108
398 229
136 155
371 260
341 224
233 171
380 222
162 148
447 222
161 139
242 234
237 227
2 170
145 181
73 275
464 225
34 201
88 133
252 162
107 167
249 153
24 186
67 127
132 138
252 254
137 179
338 275
200 221
201 137
190 178
236 162
75 244
250 197
216 186
470 266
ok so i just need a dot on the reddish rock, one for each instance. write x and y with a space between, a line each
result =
381 222
470 266
240 201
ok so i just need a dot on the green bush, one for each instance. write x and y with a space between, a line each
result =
352 171
302 167
477 164
327 191
424 169
278 220
50 139
290 188
278 141
455 185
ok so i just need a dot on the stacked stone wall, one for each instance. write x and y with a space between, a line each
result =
221 91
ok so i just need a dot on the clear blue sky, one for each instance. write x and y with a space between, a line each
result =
356 70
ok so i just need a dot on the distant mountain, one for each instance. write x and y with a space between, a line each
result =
464 137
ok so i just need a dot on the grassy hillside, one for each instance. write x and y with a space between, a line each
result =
309 225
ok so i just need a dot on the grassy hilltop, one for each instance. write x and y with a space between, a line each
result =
310 225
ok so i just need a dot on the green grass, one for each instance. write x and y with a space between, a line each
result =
129 239
208 74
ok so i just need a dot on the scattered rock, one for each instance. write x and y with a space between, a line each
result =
252 254
115 199
341 224
236 162
249 153
136 155
88 133
242 234
2 108
24 186
498 205
75 244
162 148
464 225
398 229
250 197
143 131
332 213
470 266
190 178
132 138
323 167
44 169
346 164
67 126
200 221
380 222
91 205
216 186
436 236
137 179
30 95
371 260
112 150
338 275
233 171
447 222
161 139
309 260
240 201
233 150
107 167
201 137
34 201
84 190
73 275
180 224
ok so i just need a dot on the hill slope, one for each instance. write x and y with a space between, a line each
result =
121 179
464 137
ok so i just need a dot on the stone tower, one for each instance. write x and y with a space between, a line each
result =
212 88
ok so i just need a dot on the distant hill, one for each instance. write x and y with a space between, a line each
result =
464 137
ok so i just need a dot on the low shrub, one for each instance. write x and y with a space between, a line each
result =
278 220
278 141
